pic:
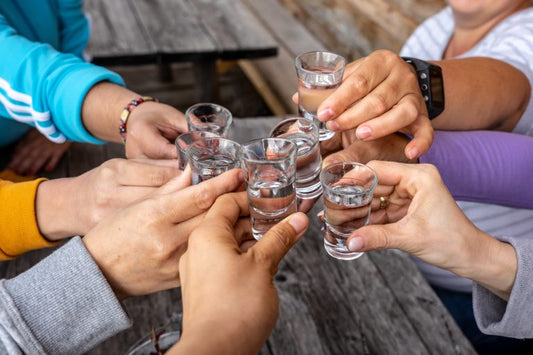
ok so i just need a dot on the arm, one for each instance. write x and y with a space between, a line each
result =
482 93
513 317
62 305
19 231
66 98
485 166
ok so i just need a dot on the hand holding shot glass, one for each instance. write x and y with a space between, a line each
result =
209 117
269 166
348 189
319 74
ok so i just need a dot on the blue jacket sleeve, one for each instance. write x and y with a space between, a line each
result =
73 27
46 88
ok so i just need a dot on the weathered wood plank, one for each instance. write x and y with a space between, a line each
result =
116 36
175 30
234 29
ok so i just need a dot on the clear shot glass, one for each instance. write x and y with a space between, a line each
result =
212 156
319 74
348 189
183 142
209 117
269 166
304 134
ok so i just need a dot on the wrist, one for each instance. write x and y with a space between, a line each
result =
492 264
53 210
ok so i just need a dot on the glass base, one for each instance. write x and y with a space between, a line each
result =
340 252
325 134
309 192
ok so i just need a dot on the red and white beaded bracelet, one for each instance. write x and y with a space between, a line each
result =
125 115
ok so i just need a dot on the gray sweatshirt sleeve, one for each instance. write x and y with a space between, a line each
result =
61 305
515 317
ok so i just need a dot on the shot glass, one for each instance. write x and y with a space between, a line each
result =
348 189
319 74
304 134
183 142
209 117
269 166
212 156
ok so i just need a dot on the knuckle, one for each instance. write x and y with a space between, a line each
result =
378 103
359 83
409 109
204 197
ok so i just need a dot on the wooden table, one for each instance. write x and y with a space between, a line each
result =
377 304
132 32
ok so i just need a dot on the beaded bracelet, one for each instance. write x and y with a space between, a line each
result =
125 115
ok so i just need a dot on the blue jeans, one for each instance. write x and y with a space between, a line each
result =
459 304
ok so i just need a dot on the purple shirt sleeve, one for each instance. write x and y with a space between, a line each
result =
485 166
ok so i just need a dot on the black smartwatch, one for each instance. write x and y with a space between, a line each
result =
431 85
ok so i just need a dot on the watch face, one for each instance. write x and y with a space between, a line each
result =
437 87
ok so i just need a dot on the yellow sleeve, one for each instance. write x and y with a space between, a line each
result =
19 231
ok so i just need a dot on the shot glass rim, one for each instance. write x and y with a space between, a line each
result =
293 118
207 133
299 67
225 110
353 163
294 150
238 146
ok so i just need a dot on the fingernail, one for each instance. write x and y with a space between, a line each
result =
298 221
332 126
356 244
325 114
412 153
363 132
241 175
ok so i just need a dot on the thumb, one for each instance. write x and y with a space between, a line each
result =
340 156
279 239
375 237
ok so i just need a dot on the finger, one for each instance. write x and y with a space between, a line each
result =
377 237
243 230
136 173
247 245
404 113
181 181
273 246
171 163
54 160
295 98
422 132
346 154
38 162
364 78
227 209
193 200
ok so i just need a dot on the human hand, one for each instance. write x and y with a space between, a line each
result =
345 146
34 152
72 206
152 129
423 219
380 95
230 303
138 248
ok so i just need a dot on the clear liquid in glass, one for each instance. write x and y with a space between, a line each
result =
350 201
310 98
270 201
